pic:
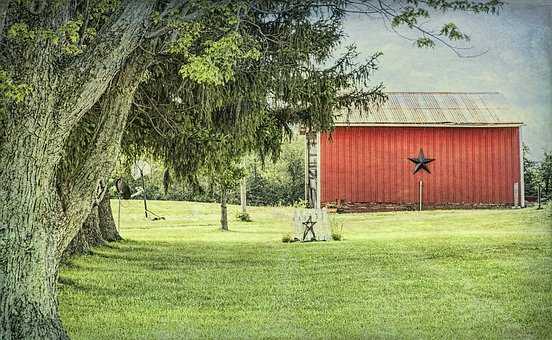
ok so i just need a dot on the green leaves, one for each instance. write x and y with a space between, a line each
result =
10 90
189 33
451 31
66 37
216 63
424 42
409 16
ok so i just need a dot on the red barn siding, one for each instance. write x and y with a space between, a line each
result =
370 164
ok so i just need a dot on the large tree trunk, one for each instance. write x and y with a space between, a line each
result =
3 12
41 211
88 236
107 222
223 211
31 221
99 228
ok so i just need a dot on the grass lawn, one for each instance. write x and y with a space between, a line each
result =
434 274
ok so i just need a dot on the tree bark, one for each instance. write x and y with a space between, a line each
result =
3 13
99 228
88 236
243 195
31 215
107 222
42 208
30 222
41 211
223 211
99 160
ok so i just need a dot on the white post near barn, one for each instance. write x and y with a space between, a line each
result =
521 170
421 193
312 170
516 195
243 195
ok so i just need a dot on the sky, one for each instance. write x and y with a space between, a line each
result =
517 61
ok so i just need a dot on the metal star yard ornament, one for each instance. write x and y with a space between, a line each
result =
421 162
309 227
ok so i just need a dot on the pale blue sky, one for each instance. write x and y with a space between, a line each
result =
518 62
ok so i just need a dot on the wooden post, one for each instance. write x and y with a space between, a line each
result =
313 167
119 215
243 195
318 172
521 170
421 193
144 193
307 168
539 196
516 194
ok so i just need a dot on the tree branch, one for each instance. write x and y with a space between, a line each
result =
78 187
3 14
89 76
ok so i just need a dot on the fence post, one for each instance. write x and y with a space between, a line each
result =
421 193
516 194
243 195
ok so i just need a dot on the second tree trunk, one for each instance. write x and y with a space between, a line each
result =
98 229
223 210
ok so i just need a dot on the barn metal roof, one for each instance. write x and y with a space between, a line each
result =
435 109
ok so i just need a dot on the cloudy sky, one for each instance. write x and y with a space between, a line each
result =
517 62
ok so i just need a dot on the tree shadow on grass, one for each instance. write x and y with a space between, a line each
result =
162 272
156 256
66 282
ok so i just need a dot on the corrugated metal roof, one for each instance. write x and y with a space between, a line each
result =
435 108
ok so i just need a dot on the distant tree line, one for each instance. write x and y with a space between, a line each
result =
273 183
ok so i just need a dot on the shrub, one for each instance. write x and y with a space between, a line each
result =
286 238
301 203
243 216
337 229
337 236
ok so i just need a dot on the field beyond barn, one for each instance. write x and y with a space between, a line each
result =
435 274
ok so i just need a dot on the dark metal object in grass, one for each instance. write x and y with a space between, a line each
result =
309 227
144 196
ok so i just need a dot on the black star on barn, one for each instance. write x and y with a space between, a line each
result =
421 162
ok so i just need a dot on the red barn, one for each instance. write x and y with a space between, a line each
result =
436 150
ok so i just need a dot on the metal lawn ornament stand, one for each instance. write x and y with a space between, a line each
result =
140 169
122 190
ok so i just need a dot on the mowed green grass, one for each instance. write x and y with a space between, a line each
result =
434 274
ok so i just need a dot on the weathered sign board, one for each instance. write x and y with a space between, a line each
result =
311 225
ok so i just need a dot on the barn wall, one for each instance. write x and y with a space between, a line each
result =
370 164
